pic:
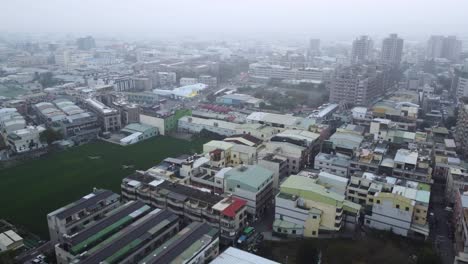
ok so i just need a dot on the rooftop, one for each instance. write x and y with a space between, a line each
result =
236 256
90 200
251 175
406 156
183 246
287 120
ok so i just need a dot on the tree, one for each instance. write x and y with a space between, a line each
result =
50 135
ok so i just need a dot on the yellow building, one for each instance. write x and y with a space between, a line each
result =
305 208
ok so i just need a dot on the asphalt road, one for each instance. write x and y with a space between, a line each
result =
441 226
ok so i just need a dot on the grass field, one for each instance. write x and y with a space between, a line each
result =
31 190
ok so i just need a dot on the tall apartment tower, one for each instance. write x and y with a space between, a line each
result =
314 47
392 50
444 47
358 85
452 48
86 43
434 47
362 49
460 81
461 129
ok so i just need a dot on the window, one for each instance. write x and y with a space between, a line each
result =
407 209
398 206
238 186
294 231
378 201
314 233
371 200
314 217
416 218
418 211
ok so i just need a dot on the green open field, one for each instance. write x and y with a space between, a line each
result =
31 190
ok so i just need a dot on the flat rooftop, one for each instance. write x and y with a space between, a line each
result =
85 202
130 238
236 256
184 245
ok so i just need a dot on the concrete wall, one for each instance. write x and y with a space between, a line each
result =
154 122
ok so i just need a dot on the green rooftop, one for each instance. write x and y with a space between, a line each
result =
250 177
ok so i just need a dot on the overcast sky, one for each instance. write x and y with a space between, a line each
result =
327 18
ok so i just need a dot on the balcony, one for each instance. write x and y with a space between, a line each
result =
175 203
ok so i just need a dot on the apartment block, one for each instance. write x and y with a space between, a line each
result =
73 122
189 203
362 49
358 85
392 50
332 163
392 204
196 243
195 125
460 223
304 208
109 118
125 236
75 216
235 255
253 184
270 71
210 81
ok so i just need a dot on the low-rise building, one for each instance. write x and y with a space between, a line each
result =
192 124
460 224
234 255
126 235
10 240
332 163
253 184
75 216
261 131
189 203
305 208
187 81
275 120
392 204
196 243
27 139
109 118
239 100
73 122
137 132
210 81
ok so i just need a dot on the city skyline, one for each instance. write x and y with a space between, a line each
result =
332 20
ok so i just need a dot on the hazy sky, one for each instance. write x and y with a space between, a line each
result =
327 18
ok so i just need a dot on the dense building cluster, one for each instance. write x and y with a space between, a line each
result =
375 139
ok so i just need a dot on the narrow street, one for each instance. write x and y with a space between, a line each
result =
441 225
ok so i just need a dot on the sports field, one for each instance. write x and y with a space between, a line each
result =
31 190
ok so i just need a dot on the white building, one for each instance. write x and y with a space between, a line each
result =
108 117
275 120
285 73
27 139
233 255
188 81
335 164
192 124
